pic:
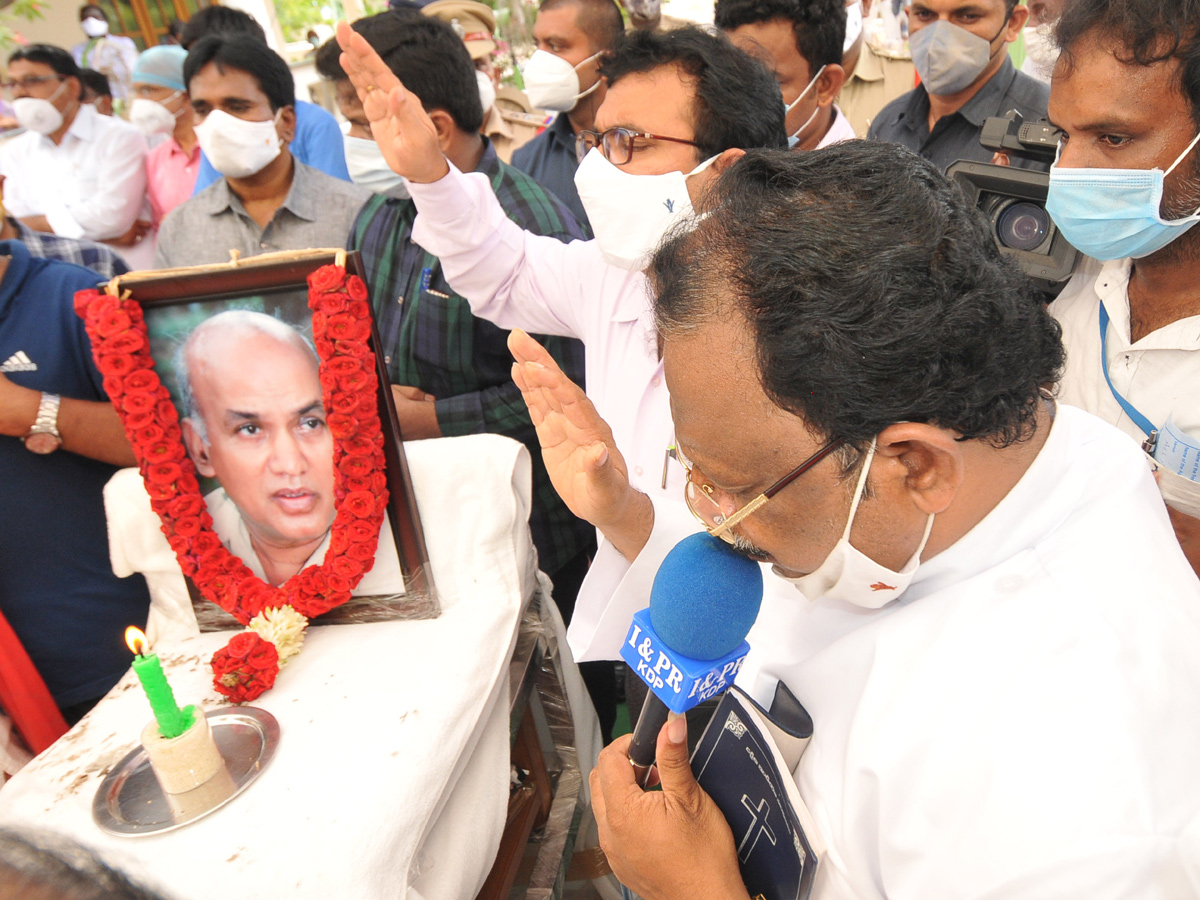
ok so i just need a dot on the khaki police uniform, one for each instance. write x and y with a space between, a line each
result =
511 122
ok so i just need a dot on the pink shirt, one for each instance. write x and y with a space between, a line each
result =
170 176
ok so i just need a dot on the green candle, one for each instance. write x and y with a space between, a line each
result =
172 721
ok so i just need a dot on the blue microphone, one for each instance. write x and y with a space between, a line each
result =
689 645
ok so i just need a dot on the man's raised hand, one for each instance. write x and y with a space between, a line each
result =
404 132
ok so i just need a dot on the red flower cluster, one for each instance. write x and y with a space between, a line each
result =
341 330
245 667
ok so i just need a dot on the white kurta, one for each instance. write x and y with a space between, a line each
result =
92 185
1024 721
521 280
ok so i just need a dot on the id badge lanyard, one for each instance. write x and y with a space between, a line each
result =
1150 444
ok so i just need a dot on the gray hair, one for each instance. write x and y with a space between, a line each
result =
234 321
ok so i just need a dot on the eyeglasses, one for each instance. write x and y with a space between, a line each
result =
617 143
28 84
699 493
150 91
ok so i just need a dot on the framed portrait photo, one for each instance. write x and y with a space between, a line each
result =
261 417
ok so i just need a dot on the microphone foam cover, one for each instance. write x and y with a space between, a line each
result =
705 597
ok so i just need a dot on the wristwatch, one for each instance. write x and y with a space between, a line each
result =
43 437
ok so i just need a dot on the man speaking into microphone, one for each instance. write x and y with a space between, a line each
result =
995 631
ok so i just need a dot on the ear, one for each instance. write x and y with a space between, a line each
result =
727 159
287 123
444 125
1020 15
196 448
926 463
829 85
75 91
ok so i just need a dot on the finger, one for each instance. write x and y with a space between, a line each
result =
615 776
525 348
674 767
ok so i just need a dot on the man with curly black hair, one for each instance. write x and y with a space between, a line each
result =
994 632
1126 192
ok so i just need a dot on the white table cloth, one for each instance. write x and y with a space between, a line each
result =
391 777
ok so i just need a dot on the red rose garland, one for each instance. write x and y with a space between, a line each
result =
341 328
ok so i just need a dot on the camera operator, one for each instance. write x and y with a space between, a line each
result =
1126 94
960 52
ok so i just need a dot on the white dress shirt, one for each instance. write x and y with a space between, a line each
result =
92 185
521 280
840 130
1159 375
1023 722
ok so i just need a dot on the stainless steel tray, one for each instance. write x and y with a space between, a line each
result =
130 802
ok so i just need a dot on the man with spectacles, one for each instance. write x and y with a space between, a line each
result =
994 632
685 103
74 172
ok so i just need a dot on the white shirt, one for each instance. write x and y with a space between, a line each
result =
521 280
1159 374
92 185
840 130
383 579
1022 723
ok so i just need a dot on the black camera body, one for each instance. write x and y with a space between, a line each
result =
1014 200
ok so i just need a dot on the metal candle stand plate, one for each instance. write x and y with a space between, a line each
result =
130 802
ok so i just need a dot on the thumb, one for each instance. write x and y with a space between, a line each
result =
674 768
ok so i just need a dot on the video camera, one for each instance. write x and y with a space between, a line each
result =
1014 200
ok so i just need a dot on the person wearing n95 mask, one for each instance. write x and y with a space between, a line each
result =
242 98
74 172
802 42
960 53
563 75
661 138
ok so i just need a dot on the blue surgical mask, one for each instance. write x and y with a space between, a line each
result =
1114 213
794 138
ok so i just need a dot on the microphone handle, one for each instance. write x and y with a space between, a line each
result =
643 748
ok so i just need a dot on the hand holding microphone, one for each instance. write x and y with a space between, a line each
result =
689 645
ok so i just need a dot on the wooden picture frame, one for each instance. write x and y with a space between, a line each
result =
277 285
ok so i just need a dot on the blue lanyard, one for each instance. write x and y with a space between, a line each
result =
1130 410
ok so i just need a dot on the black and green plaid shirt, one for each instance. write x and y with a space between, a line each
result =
433 342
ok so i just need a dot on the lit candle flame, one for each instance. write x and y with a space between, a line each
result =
135 639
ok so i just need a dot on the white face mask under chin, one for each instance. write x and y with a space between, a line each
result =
849 575
629 214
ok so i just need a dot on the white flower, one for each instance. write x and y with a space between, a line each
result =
283 627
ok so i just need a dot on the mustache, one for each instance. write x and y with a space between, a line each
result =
749 549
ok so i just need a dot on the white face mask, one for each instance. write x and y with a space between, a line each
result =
794 138
629 214
552 83
854 25
36 114
487 90
367 167
94 28
849 575
237 147
153 117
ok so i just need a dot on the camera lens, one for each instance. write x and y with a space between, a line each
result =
1022 226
